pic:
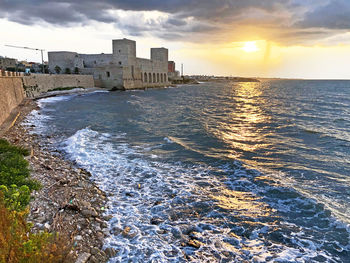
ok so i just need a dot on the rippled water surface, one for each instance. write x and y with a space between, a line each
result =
248 172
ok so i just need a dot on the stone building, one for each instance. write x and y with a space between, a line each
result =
119 70
7 63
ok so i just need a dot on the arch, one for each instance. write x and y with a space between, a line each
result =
165 78
157 77
161 77
150 77
154 77
145 77
141 77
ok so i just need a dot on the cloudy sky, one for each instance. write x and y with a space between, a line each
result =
267 38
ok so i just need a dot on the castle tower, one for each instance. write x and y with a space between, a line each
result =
160 54
124 52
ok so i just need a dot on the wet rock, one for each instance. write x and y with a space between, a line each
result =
156 221
176 232
83 258
116 230
107 218
194 243
111 252
126 231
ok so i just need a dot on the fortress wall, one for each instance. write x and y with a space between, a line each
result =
11 95
36 84
96 60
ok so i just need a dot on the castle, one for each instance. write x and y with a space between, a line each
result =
119 70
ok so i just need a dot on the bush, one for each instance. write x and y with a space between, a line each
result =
19 244
14 168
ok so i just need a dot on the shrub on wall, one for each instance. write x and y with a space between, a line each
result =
58 69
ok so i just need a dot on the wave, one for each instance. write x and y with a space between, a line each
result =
164 205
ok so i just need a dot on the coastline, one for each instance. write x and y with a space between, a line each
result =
68 202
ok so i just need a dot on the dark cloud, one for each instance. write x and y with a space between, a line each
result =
191 19
334 15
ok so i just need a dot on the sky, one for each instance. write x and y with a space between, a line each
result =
252 38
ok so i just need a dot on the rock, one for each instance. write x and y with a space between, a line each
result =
89 212
110 252
85 204
156 221
78 238
93 259
100 235
83 258
126 231
194 243
107 218
94 251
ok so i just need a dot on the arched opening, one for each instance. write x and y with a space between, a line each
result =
145 77
149 77
157 77
161 77
141 76
165 78
154 77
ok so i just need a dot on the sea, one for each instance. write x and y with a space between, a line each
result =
215 172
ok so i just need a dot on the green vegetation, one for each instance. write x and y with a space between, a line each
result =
67 71
15 182
66 88
17 242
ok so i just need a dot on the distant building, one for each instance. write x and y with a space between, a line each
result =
7 63
119 70
172 73
171 66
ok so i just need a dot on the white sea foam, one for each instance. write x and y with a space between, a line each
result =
142 188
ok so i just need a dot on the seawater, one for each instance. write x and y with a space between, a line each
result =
256 172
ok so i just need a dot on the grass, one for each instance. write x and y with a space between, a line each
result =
65 88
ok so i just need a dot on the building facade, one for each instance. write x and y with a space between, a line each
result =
7 63
119 70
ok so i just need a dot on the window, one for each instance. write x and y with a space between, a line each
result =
108 74
120 62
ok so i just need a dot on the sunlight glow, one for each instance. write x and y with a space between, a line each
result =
250 47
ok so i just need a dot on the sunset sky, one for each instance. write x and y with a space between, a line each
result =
258 38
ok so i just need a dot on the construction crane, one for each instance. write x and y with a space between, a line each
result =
37 49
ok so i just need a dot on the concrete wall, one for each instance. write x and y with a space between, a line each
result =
11 95
36 84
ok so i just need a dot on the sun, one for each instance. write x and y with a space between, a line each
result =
250 47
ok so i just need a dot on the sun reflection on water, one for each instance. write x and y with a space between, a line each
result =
243 204
243 127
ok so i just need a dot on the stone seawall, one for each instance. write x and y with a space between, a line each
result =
37 84
11 95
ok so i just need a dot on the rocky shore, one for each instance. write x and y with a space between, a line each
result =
69 202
